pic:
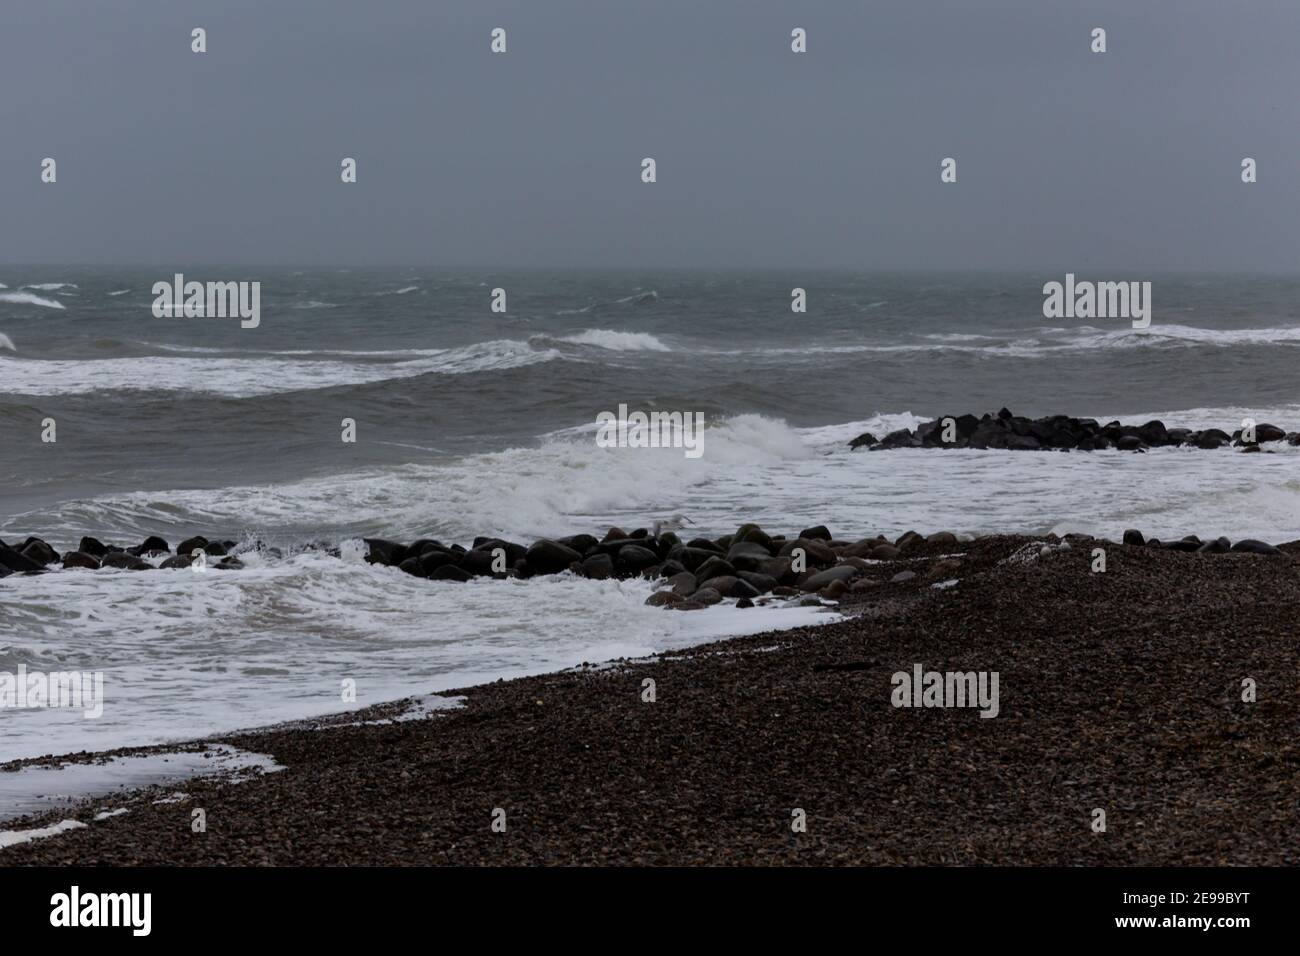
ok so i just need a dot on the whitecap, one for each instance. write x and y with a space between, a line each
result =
27 298
617 341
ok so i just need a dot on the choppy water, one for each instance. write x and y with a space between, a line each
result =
471 422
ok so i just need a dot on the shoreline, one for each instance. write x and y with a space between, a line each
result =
1120 690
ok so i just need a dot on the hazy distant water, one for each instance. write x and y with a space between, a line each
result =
471 422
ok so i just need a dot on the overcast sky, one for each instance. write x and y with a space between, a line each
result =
766 158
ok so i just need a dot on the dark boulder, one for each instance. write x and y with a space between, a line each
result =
122 559
551 557
760 582
1251 546
752 550
909 540
421 545
865 440
381 551
175 561
684 583
633 559
188 546
704 544
780 569
40 552
706 596
615 545
662 598
413 567
752 534
1134 537
598 567
722 583
692 558
79 559
713 567
151 545
433 559
514 553
819 580
1023 443
669 568
902 438
818 532
1153 433
15 561
93 547
815 552
449 572
478 562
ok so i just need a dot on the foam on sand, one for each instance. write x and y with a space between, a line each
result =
37 788
14 837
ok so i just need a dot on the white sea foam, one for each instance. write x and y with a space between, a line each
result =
28 298
752 468
1173 335
51 286
650 295
7 343
37 788
617 341
120 292
1048 342
15 837
243 377
186 655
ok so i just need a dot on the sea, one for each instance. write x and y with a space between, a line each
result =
470 421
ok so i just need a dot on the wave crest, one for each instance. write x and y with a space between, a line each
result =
617 341
28 298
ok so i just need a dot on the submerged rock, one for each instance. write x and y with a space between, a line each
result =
1055 432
